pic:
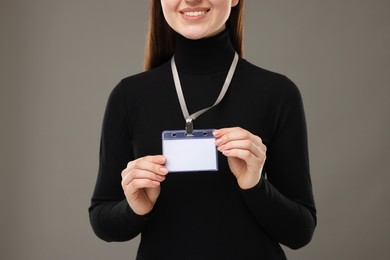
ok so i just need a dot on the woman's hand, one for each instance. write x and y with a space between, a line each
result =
246 154
141 182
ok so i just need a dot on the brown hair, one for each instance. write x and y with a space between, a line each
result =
160 44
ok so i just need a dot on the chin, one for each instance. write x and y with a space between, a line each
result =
194 35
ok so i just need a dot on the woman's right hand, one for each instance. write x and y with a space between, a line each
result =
141 182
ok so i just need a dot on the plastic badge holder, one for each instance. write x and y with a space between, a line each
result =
189 153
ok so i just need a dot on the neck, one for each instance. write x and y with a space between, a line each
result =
205 55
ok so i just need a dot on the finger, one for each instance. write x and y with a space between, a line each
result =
141 174
232 132
243 145
125 172
150 164
227 130
245 155
137 184
239 153
159 159
235 133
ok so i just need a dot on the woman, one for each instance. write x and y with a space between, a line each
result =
260 197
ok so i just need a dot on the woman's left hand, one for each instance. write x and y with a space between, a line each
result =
246 154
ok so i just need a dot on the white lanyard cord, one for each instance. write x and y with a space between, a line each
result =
189 118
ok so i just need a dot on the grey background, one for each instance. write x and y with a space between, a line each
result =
60 59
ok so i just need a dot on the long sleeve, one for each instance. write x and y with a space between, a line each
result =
110 215
204 215
282 203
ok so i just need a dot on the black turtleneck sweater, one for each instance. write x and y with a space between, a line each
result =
205 215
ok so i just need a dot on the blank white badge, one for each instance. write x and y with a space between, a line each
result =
186 153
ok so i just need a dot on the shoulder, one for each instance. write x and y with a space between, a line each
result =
142 84
147 79
263 75
269 81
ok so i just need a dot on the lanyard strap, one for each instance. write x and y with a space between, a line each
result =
189 118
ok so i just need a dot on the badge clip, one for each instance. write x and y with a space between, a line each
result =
189 127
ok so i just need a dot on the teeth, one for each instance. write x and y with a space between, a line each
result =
197 13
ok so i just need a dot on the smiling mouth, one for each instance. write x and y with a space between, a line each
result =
194 14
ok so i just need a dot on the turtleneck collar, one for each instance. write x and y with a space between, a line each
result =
205 55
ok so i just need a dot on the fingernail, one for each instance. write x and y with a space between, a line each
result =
218 141
163 170
226 152
217 133
220 148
